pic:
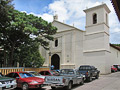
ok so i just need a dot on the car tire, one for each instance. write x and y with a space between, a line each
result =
90 78
69 87
82 82
40 87
97 76
53 87
25 86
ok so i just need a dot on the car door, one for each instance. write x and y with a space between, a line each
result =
78 77
73 75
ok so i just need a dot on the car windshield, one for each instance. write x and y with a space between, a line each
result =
25 75
67 71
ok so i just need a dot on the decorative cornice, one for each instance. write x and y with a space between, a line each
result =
67 25
97 25
67 64
97 33
96 50
96 7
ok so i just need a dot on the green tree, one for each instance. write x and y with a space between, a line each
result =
5 8
29 55
21 28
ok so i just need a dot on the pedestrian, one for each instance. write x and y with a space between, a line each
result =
52 67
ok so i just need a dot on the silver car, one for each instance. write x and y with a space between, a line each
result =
7 83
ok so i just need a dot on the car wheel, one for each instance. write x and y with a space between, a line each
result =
53 87
82 82
25 86
69 87
97 76
90 78
40 87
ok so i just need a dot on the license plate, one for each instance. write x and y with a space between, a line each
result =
8 86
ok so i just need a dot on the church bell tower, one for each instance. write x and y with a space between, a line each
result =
96 43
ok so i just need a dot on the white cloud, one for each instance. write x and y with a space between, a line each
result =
45 16
60 9
116 30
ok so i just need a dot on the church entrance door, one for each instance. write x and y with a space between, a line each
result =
55 60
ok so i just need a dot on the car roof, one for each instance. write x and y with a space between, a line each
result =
85 65
68 69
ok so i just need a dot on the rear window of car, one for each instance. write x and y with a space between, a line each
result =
42 73
85 68
25 75
67 71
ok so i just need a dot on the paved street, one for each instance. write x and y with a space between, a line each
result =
105 82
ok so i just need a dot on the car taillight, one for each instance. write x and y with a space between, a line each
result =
63 80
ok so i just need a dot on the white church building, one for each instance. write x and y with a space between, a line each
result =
73 47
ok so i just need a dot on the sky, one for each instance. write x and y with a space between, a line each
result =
70 12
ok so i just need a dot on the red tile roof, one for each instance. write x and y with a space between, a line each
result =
116 46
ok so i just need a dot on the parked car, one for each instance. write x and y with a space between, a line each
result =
36 74
117 66
66 78
26 80
89 72
49 73
7 82
113 69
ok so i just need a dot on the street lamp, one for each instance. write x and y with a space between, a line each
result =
49 60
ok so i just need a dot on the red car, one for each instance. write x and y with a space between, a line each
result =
26 80
113 69
49 73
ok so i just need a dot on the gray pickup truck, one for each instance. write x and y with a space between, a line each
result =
66 78
89 72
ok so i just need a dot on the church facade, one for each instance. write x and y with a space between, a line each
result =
73 47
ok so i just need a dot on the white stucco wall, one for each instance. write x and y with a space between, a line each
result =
78 48
114 56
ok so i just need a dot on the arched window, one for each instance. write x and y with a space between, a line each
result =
56 42
94 18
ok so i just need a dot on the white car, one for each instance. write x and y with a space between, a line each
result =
34 73
7 83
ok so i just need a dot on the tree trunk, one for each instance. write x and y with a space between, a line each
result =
11 56
4 65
